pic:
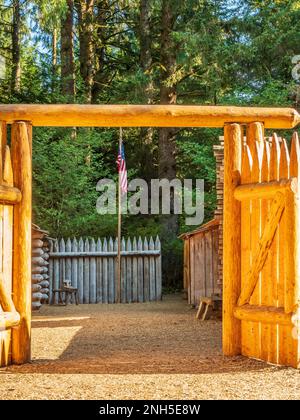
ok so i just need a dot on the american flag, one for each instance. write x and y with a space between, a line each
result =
122 169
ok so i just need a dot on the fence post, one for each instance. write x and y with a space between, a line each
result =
80 271
128 273
93 272
152 271
233 139
158 270
21 159
99 293
134 273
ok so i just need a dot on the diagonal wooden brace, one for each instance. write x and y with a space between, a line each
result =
276 211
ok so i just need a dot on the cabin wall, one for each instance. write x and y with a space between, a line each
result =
201 265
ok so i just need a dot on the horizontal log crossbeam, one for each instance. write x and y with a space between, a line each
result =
154 253
265 314
265 190
70 115
10 317
9 320
10 195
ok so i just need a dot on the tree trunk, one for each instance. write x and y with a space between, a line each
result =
100 78
67 54
54 59
147 88
167 136
16 55
85 10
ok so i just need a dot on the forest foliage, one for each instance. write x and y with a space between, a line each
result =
139 51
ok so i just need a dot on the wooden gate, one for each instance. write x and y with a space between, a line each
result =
261 263
15 244
261 246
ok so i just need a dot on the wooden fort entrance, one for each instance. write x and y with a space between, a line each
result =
261 284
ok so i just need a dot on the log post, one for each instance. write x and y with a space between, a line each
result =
21 159
232 239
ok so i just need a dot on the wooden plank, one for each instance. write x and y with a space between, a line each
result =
3 140
198 281
111 273
22 170
56 271
209 264
263 314
80 271
123 273
152 282
246 210
158 275
265 274
105 274
51 271
140 272
99 273
128 273
292 254
255 235
284 332
6 238
274 257
188 240
61 115
192 270
74 264
68 272
134 273
215 248
292 296
62 265
86 279
92 272
232 239
146 273
6 245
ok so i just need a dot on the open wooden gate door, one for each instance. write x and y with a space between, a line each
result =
261 246
15 244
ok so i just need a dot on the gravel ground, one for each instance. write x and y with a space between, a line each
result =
138 351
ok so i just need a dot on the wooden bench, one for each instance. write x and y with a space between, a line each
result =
68 292
206 306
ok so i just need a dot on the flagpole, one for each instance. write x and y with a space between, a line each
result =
119 225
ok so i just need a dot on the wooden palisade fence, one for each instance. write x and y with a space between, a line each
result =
261 275
261 246
91 266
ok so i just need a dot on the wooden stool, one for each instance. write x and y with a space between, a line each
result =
69 292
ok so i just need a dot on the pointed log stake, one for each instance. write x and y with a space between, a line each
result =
8 176
232 239
21 159
147 115
3 140
292 295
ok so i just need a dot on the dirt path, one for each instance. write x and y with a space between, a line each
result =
151 350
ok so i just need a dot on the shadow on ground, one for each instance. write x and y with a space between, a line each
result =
149 338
